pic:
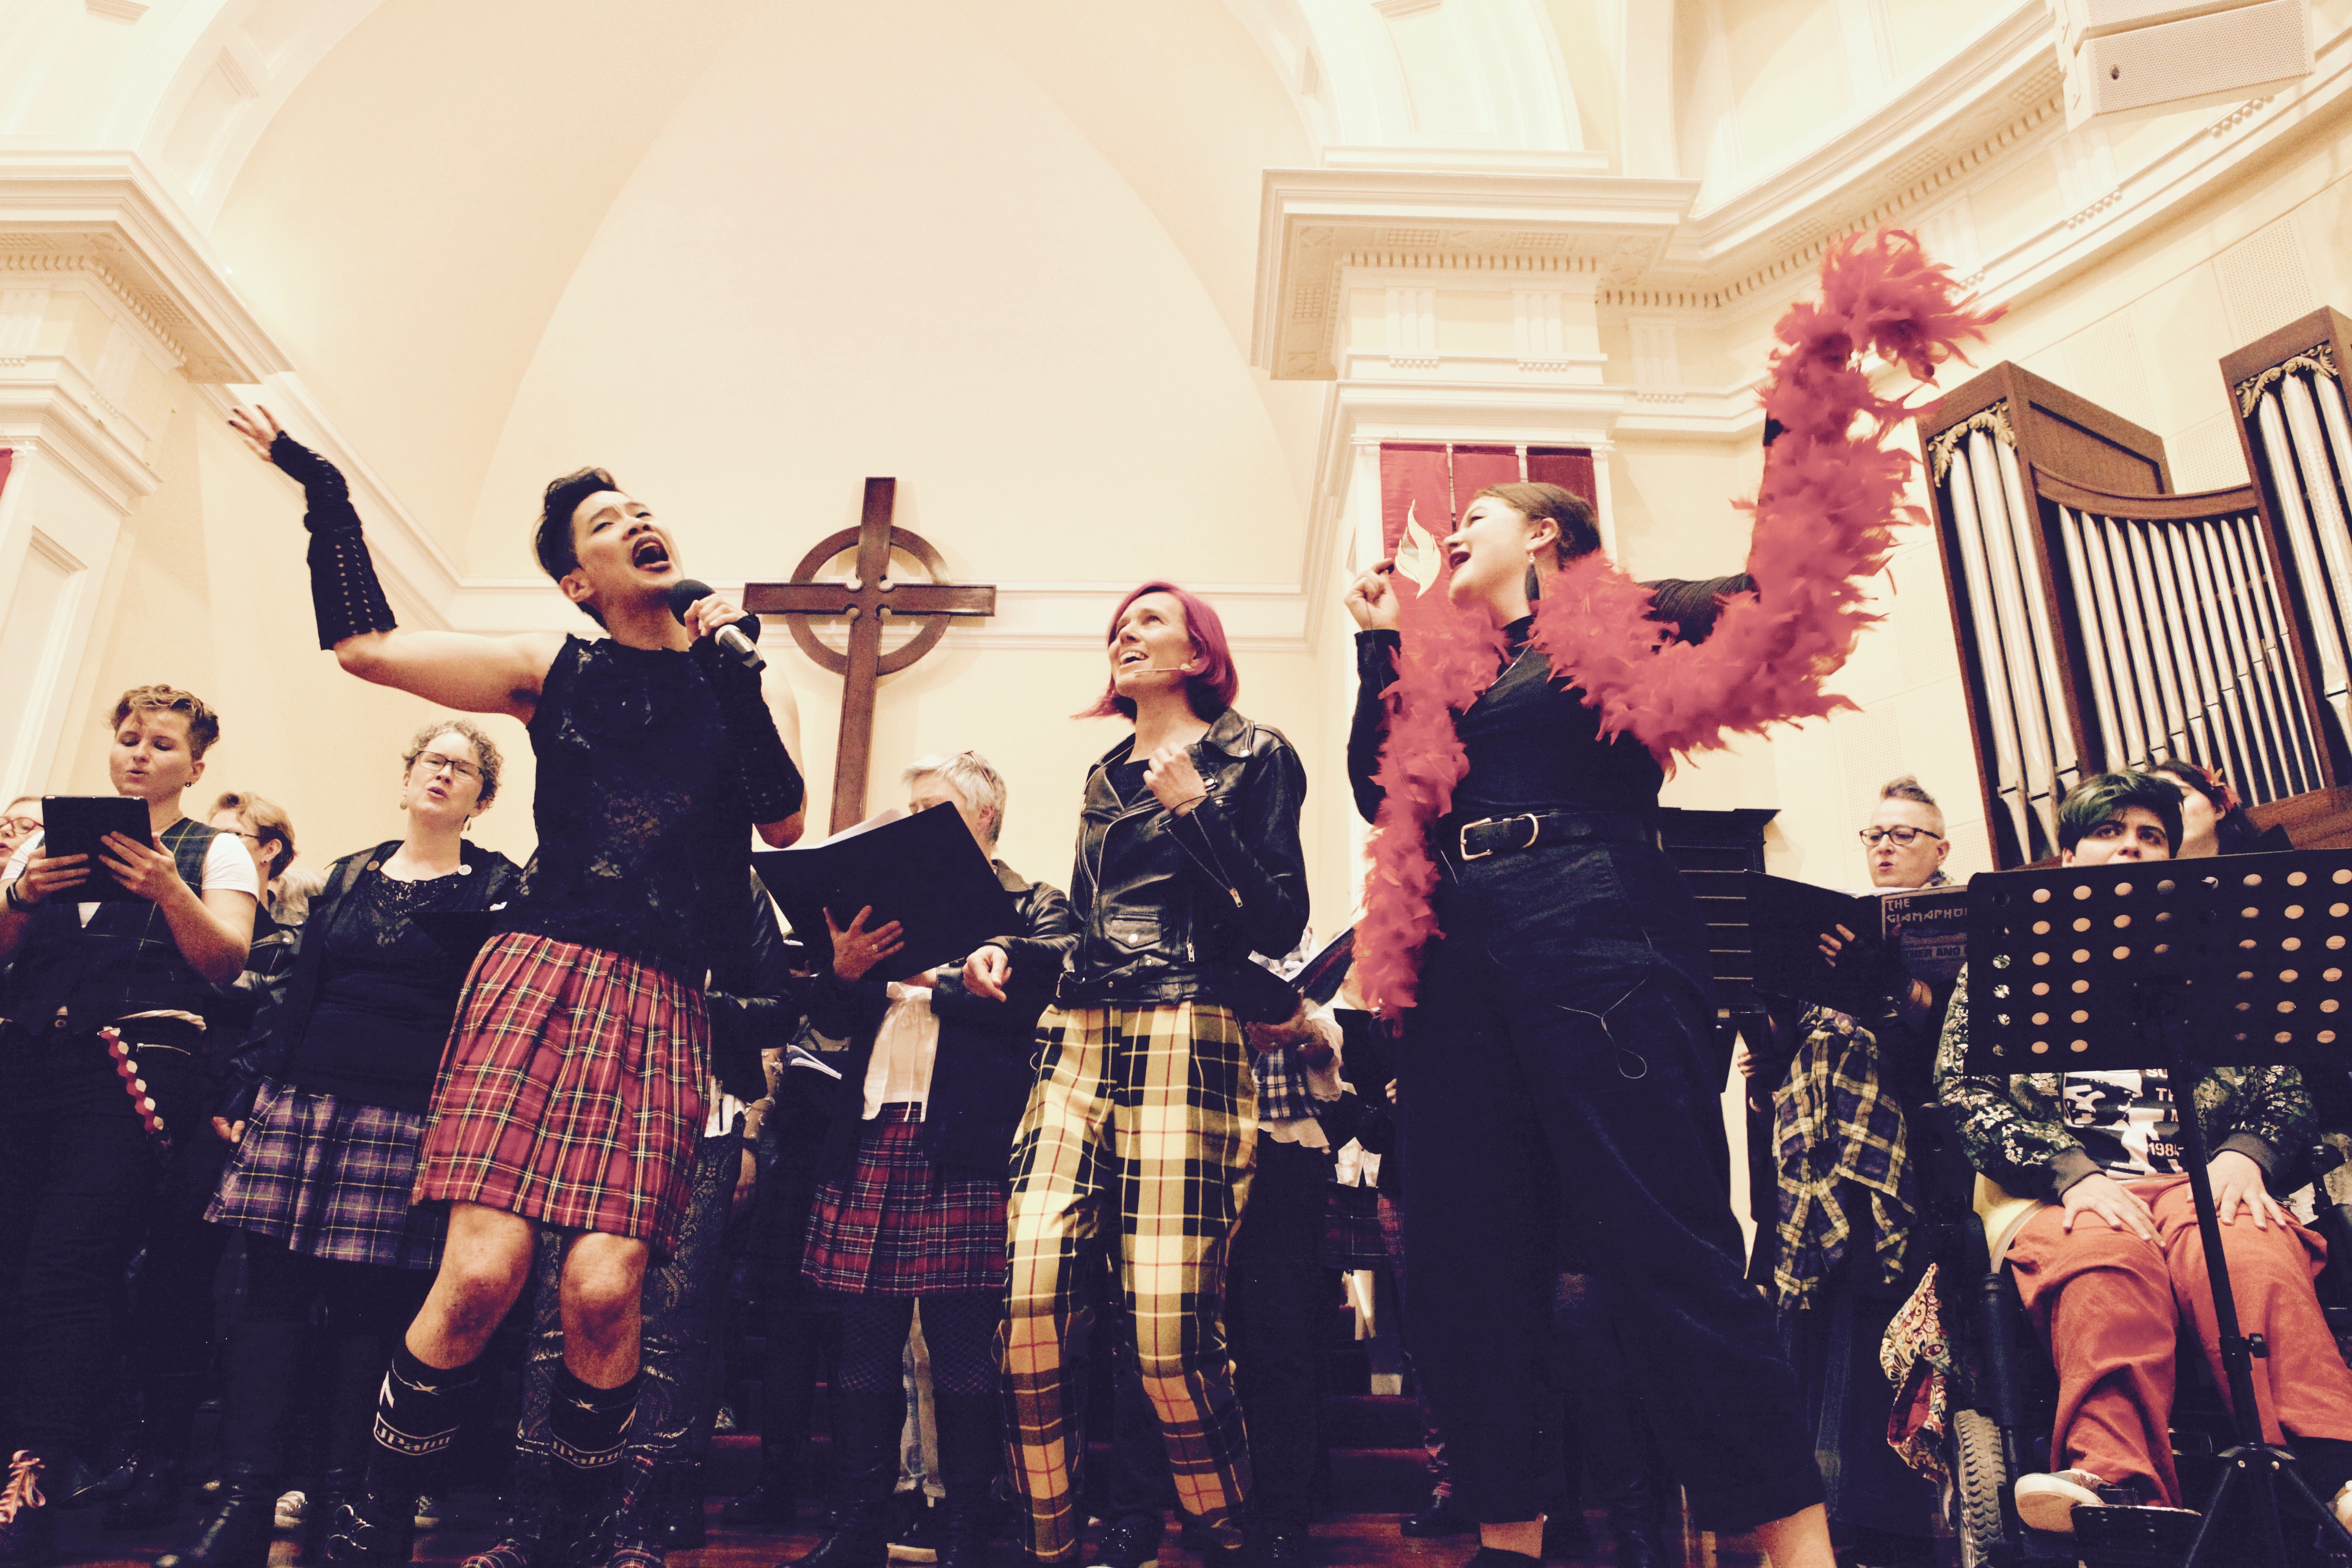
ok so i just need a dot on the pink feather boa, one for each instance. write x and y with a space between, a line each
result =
1825 515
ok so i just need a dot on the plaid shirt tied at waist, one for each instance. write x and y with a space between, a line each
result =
1840 1139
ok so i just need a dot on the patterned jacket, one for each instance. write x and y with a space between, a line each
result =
2015 1132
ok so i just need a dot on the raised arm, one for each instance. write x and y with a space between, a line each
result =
455 669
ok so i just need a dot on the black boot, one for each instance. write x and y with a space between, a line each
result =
971 1455
236 1531
585 1502
336 1487
377 1526
153 1495
683 1505
264 1360
1640 1517
639 1532
865 1426
526 1524
774 1498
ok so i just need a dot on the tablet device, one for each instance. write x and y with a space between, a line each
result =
73 825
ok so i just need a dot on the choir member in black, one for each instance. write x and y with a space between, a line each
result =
570 1093
327 1114
89 1126
1561 1046
171 1329
910 1201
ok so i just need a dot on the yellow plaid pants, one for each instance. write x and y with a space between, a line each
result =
1145 1118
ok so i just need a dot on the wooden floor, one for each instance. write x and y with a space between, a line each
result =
1367 1539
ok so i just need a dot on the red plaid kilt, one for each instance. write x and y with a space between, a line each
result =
571 1092
897 1226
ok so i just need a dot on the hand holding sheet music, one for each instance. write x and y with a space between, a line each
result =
923 872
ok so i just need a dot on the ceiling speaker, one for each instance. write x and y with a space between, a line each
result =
2122 55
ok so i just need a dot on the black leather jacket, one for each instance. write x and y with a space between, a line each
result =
1168 908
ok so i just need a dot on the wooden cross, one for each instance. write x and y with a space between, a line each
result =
864 600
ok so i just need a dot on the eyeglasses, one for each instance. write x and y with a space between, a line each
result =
246 833
21 824
1903 837
433 761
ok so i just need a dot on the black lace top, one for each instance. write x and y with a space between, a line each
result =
644 838
386 992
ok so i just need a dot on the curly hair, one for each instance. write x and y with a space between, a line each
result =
486 751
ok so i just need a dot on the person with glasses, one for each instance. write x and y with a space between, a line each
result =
1844 1252
20 821
327 1114
572 1097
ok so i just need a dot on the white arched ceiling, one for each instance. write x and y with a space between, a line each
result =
454 192
1406 81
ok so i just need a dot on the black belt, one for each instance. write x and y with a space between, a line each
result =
1508 835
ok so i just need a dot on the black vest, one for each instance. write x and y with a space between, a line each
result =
124 962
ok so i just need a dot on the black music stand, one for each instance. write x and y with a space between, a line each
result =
2113 966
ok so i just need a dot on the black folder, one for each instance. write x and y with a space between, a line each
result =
923 869
1786 920
73 825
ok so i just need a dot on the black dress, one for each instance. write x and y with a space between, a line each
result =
1557 1077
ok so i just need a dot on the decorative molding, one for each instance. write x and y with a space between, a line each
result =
1315 223
106 213
1947 440
2319 359
118 10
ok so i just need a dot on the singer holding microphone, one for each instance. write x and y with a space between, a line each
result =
1141 1130
569 1092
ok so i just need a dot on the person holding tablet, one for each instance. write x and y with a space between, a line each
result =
105 1014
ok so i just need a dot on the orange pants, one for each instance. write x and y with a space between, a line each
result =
2109 1306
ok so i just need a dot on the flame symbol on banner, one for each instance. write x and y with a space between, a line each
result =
1416 556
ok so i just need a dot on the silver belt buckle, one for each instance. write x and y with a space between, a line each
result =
1535 831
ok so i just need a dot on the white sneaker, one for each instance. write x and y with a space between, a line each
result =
290 1509
2049 1501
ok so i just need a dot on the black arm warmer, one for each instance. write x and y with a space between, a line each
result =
344 592
771 783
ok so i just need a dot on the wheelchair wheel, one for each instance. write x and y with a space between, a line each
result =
1979 1477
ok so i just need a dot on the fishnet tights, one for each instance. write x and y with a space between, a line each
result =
960 1331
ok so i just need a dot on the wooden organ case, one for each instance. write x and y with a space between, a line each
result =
2105 622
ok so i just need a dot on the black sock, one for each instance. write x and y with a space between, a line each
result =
420 1408
587 1427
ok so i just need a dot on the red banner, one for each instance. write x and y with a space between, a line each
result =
1570 467
1416 482
1432 484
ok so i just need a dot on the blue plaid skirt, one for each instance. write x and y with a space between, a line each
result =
331 1179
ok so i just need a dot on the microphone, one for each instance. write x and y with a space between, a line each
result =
735 636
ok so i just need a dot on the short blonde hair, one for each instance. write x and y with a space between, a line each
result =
268 821
204 724
485 750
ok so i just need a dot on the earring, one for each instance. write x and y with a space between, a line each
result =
1535 583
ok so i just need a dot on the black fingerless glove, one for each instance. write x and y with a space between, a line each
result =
344 592
772 785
